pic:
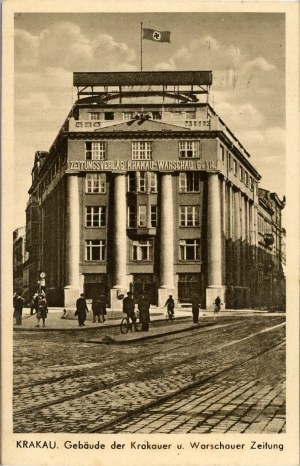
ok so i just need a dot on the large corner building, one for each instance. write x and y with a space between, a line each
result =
146 189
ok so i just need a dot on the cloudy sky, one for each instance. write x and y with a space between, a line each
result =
245 51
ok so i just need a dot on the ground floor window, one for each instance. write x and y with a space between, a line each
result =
95 250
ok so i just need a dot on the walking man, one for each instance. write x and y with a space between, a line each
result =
18 308
170 303
81 310
195 309
128 309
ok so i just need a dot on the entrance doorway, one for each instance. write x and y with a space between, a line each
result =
189 285
144 284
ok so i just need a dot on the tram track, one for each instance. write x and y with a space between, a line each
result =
127 417
168 340
141 376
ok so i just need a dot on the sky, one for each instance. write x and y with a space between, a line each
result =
245 51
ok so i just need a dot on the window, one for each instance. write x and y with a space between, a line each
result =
153 182
235 167
142 216
131 218
141 182
189 216
229 161
153 216
95 250
131 182
142 250
241 174
223 154
246 178
189 249
141 150
95 183
188 149
189 182
95 150
109 116
251 183
95 216
94 116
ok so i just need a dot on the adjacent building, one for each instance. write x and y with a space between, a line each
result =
20 281
146 189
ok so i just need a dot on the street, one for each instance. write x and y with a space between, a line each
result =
225 377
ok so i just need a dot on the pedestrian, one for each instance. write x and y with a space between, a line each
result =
96 308
42 309
170 303
144 309
195 309
102 308
81 310
217 306
18 303
34 304
128 309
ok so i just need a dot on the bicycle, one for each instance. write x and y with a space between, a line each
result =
127 325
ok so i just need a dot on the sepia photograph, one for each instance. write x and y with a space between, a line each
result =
148 237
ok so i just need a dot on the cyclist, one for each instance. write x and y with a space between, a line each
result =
128 309
170 306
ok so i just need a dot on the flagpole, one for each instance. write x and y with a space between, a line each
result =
141 46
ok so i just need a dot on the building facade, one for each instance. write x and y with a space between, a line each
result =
20 279
145 189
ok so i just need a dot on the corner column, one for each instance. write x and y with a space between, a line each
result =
72 288
166 240
120 241
214 243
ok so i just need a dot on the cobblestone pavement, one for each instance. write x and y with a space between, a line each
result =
62 384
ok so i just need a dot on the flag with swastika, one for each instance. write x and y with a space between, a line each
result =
156 36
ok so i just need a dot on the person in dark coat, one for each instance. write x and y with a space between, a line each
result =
128 309
217 306
170 303
96 307
81 310
144 309
34 304
102 308
42 309
195 309
18 308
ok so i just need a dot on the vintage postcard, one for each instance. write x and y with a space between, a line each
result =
150 233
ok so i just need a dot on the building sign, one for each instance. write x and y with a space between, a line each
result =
141 165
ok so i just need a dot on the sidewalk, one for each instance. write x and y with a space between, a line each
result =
55 321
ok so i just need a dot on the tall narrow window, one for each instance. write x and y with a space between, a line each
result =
131 182
241 174
235 168
153 182
95 216
229 161
95 183
95 250
223 154
142 216
142 182
141 150
131 217
95 150
153 216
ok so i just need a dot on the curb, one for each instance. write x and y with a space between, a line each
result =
109 340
